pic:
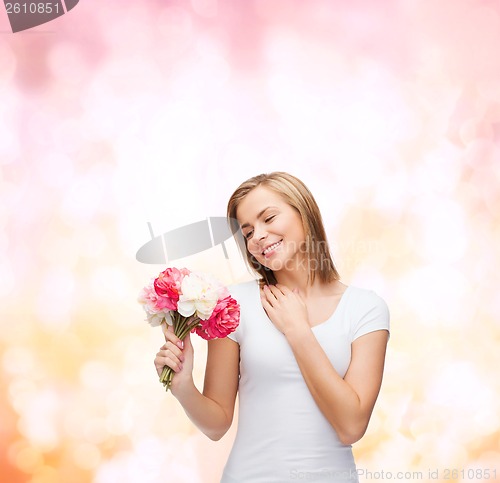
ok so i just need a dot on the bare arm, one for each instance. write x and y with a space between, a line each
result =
346 402
211 411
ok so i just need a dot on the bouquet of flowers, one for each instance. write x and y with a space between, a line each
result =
191 302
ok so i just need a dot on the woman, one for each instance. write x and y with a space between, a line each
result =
307 358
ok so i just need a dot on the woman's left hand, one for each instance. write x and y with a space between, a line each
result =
285 308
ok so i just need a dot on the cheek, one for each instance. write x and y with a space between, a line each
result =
252 249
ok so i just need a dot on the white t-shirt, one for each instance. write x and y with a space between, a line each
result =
282 435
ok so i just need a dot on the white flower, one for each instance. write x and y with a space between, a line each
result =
199 293
157 318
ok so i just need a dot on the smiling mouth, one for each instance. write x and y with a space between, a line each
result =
272 247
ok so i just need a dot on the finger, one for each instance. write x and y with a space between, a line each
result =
171 337
275 291
175 365
265 294
164 359
283 288
187 341
172 348
266 290
265 303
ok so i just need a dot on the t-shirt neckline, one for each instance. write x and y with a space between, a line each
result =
341 301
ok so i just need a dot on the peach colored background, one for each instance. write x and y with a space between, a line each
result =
122 113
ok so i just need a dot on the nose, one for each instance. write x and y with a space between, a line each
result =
260 233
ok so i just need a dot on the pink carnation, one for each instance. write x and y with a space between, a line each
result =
150 299
224 320
168 286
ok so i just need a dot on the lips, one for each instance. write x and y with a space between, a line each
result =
271 247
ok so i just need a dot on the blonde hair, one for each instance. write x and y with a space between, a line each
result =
298 196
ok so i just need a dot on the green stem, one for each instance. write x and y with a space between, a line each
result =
181 330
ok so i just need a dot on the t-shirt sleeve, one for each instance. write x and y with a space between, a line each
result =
234 335
374 315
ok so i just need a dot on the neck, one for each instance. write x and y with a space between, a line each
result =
298 279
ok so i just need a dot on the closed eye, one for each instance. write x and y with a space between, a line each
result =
267 220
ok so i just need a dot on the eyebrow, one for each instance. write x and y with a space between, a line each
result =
258 216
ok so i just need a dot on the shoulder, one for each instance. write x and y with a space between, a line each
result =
367 311
363 299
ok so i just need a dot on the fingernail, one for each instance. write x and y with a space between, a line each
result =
179 344
180 367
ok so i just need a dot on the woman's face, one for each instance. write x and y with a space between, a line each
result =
272 229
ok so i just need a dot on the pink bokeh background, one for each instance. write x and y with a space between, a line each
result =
122 113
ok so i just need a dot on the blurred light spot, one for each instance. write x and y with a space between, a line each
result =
212 67
108 283
92 243
450 449
175 23
152 461
486 421
95 431
388 196
18 360
9 142
39 128
476 128
423 424
205 8
443 237
437 295
86 456
27 459
55 301
119 422
96 375
58 250
459 385
66 63
175 32
74 426
38 421
45 474
67 136
21 393
369 276
437 175
489 89
7 63
83 199
117 398
55 169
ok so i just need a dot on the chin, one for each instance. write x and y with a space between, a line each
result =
275 265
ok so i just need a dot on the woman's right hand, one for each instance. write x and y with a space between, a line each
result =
179 356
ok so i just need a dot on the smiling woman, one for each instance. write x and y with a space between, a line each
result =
286 202
307 357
